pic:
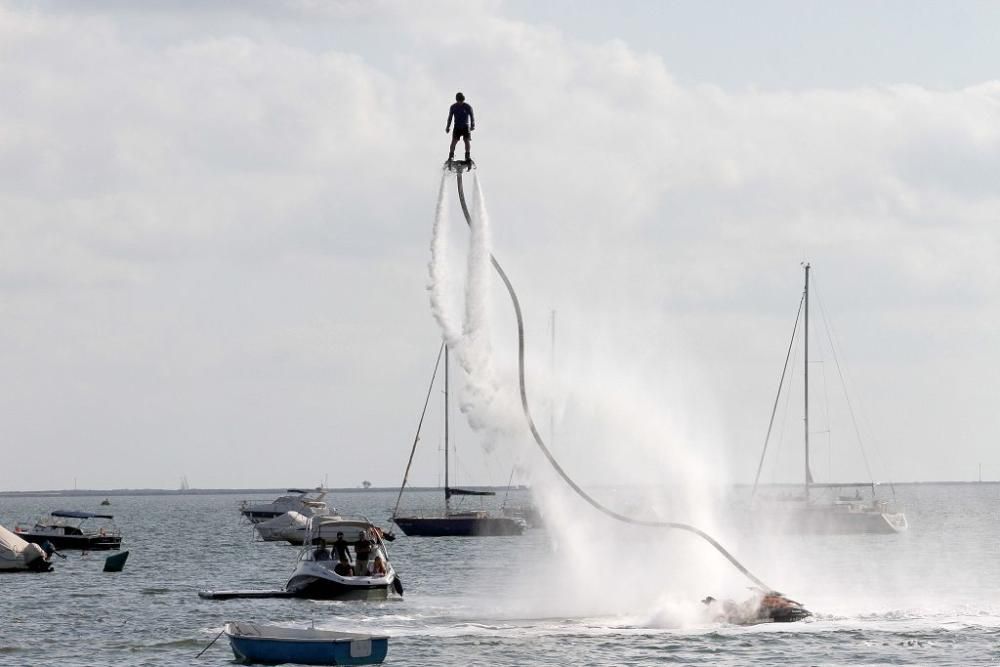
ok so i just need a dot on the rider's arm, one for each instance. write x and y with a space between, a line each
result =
472 119
451 113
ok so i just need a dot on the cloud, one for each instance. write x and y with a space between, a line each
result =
196 188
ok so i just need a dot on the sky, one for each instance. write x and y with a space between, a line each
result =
215 224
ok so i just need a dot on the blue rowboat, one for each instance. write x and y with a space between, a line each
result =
276 645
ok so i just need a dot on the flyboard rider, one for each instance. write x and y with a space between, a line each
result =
465 124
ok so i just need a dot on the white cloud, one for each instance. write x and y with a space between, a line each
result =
202 207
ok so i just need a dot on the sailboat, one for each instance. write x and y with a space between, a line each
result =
810 513
451 522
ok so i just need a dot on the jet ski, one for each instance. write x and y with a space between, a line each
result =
762 607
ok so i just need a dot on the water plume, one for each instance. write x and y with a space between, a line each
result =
666 560
438 286
481 401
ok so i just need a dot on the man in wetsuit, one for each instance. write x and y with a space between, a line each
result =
465 123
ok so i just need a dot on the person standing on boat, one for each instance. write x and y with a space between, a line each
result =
362 550
321 553
340 548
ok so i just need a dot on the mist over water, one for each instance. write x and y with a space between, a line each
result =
626 421
643 442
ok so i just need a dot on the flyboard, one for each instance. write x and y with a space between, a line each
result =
459 166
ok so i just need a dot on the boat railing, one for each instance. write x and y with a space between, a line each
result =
52 526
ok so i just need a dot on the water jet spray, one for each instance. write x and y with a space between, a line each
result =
459 170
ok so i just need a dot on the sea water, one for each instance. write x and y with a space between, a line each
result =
927 596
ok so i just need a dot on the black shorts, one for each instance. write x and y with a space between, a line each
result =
461 133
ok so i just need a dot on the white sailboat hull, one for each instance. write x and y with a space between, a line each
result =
829 519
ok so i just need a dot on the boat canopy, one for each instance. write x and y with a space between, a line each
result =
318 522
320 493
68 514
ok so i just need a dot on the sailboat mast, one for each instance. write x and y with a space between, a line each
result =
447 488
805 338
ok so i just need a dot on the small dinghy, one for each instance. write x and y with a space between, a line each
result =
276 645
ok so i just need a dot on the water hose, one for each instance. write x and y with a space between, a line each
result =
545 450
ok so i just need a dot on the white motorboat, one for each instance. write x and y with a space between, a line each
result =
306 503
19 555
291 527
324 574
320 574
281 528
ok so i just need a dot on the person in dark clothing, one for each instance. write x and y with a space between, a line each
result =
321 553
465 123
362 550
340 548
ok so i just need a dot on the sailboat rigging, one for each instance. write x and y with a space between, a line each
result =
452 523
812 514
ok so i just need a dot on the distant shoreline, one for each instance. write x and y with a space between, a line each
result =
217 492
437 489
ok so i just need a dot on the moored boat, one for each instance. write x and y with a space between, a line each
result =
810 513
18 555
291 527
325 572
253 643
460 524
452 523
65 529
306 503
320 574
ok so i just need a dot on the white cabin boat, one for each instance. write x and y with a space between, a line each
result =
321 574
306 503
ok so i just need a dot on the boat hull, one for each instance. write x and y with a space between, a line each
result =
321 588
459 526
256 516
36 565
304 647
317 580
830 520
75 542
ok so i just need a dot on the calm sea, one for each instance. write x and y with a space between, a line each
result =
928 596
